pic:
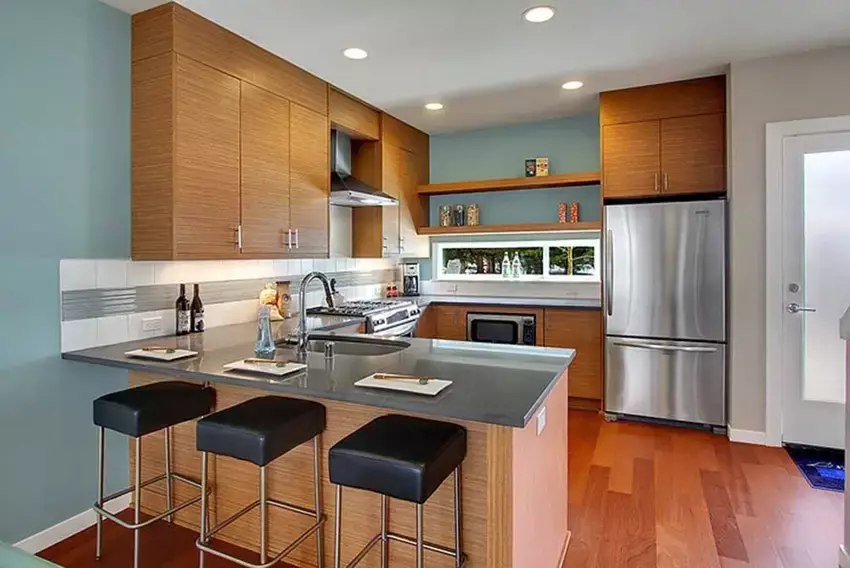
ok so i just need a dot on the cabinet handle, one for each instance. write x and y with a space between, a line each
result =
655 177
296 239
239 237
666 185
289 238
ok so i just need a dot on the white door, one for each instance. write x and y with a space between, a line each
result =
816 267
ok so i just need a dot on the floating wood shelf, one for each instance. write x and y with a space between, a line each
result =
558 180
521 228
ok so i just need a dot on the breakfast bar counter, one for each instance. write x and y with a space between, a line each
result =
511 399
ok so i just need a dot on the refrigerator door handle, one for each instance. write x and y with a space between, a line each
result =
609 272
663 347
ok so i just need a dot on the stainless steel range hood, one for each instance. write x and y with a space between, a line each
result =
347 190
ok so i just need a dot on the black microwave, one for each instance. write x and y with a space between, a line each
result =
515 329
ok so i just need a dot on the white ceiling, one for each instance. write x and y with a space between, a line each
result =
488 66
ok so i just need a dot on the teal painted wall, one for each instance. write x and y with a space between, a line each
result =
571 144
64 193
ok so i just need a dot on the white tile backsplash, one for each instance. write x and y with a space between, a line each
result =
112 273
141 274
77 274
79 334
112 329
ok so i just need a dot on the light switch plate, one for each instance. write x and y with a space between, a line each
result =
541 420
152 324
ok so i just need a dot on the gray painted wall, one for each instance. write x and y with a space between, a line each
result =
65 192
809 85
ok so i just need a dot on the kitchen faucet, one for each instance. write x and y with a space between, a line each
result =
302 306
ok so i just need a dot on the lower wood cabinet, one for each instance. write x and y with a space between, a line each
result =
451 322
578 329
426 328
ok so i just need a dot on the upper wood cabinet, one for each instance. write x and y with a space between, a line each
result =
357 119
310 181
580 330
265 172
664 139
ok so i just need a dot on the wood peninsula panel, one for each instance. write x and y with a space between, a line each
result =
486 492
207 42
693 154
310 180
264 148
631 159
581 330
668 100
152 148
353 116
206 172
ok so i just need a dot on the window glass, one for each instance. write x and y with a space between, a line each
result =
572 261
489 260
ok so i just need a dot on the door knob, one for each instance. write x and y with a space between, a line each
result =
795 308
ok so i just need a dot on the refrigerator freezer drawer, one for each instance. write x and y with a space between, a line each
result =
671 380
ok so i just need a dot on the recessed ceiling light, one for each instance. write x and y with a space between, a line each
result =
572 85
434 106
355 53
539 14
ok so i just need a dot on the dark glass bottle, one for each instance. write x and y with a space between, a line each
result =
197 311
183 313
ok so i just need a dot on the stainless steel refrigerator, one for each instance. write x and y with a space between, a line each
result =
664 296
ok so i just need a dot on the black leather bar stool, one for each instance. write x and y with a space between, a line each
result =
137 412
259 431
405 458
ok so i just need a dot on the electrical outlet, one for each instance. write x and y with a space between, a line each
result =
152 324
541 420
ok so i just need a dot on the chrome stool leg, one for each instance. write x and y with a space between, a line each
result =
337 525
458 516
137 501
385 549
264 517
100 468
317 481
420 556
204 506
168 484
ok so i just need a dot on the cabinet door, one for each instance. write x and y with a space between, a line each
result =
451 322
393 164
412 244
265 172
206 166
631 159
693 154
309 180
580 330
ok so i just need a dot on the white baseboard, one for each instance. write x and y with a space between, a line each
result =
843 557
747 436
69 527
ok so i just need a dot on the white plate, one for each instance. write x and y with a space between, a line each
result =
161 355
269 368
433 388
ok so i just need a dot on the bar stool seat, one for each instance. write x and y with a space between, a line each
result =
137 412
398 456
262 429
146 409
405 458
259 431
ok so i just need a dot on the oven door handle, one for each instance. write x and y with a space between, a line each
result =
399 330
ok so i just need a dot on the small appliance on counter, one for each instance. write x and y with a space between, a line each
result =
411 282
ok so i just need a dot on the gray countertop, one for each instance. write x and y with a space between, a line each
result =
507 301
492 384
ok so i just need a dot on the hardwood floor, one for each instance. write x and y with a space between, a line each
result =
641 496
645 496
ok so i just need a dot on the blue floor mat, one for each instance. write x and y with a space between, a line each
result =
823 468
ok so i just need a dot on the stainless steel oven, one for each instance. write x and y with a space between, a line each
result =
518 329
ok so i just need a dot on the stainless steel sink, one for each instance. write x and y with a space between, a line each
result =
364 346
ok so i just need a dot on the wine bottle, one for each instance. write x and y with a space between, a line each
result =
183 314
197 310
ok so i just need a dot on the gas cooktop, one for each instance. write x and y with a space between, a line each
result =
393 318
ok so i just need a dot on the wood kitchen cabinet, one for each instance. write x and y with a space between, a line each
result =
581 330
451 322
665 139
310 176
426 328
357 119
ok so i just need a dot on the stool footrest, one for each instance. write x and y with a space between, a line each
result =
406 540
205 543
99 507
